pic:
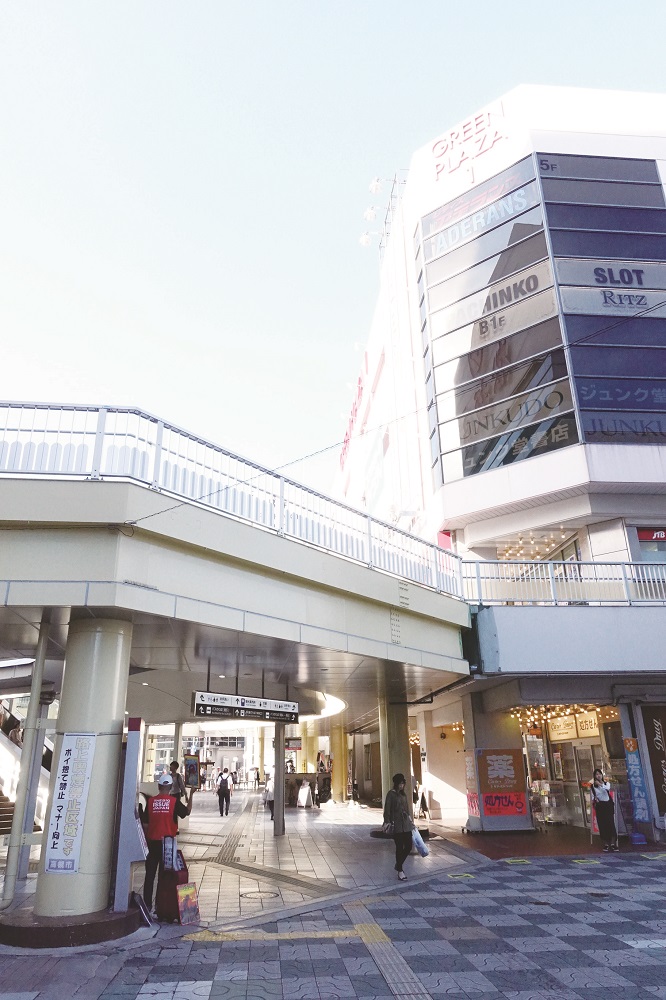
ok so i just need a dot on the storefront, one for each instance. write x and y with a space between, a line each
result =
563 744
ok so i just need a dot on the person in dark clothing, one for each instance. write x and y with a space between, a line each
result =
396 811
604 807
160 818
224 787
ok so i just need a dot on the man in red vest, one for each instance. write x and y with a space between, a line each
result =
161 817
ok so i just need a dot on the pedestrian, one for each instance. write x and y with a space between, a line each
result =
224 788
15 735
177 780
604 807
255 772
160 818
396 813
270 795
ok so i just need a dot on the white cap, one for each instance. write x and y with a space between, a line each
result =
165 780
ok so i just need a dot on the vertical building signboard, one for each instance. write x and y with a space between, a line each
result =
639 795
654 719
70 795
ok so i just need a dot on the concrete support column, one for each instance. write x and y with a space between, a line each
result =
278 777
338 740
178 743
303 754
394 745
33 789
313 747
93 701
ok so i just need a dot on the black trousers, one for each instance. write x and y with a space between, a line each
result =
224 796
403 847
153 861
606 821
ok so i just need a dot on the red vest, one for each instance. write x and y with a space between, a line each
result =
161 822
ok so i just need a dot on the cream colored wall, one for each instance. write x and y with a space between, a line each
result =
443 770
196 565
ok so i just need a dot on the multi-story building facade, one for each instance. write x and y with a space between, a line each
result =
512 402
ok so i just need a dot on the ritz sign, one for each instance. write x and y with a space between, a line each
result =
465 143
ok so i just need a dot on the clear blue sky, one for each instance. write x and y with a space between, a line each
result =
183 183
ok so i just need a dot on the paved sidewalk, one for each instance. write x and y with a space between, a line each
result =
528 929
545 929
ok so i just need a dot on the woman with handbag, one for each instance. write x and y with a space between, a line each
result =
398 822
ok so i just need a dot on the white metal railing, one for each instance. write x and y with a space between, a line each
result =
93 442
564 583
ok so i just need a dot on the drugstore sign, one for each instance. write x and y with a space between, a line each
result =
571 727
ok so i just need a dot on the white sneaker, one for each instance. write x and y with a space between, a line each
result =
402 876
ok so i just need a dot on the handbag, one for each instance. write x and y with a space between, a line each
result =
388 829
419 844
170 858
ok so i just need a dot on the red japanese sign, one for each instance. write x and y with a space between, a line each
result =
504 804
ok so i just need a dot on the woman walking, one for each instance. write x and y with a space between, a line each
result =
396 812
604 807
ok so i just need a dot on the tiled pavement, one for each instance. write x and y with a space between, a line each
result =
556 928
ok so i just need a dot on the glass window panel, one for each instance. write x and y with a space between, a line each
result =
513 259
630 220
638 331
543 402
495 297
515 446
603 193
500 354
491 328
509 382
485 246
641 362
471 228
623 428
621 393
482 195
601 167
627 246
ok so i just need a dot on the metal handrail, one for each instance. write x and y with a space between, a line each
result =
564 583
107 442
50 440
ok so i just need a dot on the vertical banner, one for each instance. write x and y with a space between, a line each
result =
502 782
473 807
639 792
70 794
654 719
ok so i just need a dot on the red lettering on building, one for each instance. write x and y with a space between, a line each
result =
474 137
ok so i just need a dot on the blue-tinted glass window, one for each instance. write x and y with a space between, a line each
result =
515 446
492 189
485 246
597 167
636 331
513 259
630 220
621 394
604 193
642 362
509 382
624 246
499 354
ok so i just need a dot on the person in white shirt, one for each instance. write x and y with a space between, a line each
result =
604 807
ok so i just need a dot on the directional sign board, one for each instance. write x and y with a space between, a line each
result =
236 706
